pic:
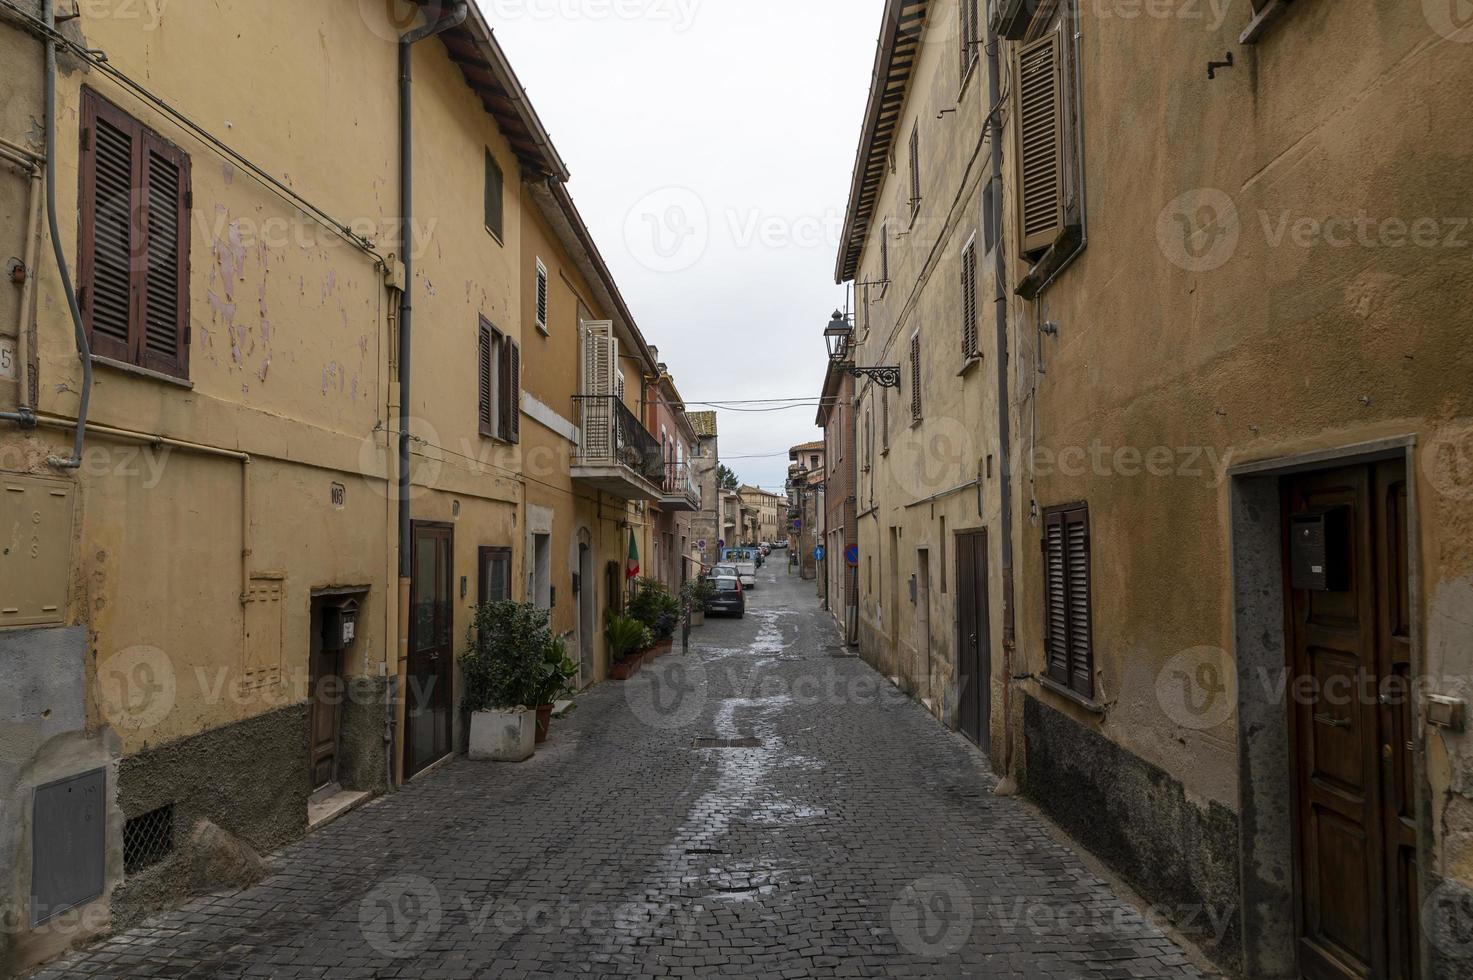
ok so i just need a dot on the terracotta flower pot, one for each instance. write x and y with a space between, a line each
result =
544 720
626 668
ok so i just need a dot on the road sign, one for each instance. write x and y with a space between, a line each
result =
701 544
721 544
818 553
851 554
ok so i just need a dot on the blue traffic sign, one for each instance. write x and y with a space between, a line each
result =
851 554
818 553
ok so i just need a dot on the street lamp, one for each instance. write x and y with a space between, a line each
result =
838 335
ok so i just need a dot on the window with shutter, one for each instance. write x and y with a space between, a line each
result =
915 375
1068 626
884 420
486 355
915 169
495 207
513 431
885 252
505 410
541 296
970 347
968 28
133 270
494 583
1040 137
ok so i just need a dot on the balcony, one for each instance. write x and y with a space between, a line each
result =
615 453
678 491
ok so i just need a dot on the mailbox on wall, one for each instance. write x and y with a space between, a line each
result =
339 624
1319 550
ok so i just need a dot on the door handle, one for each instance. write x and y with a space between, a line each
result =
1325 718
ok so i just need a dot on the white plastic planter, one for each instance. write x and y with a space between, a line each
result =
503 736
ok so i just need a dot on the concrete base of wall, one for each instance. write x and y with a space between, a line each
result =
237 791
361 750
1136 818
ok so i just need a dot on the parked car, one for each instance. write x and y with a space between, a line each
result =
745 560
724 571
728 598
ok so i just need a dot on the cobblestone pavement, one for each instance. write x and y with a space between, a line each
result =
859 838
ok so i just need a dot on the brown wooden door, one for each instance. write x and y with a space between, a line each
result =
974 639
327 711
431 658
1350 663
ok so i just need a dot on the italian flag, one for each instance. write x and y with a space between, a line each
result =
632 571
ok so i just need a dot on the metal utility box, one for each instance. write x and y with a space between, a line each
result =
1319 550
68 844
35 549
339 623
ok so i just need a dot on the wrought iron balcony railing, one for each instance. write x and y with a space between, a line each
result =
680 482
611 435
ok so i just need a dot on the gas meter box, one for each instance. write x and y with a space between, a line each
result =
339 624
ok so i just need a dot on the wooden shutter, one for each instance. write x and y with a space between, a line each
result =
1056 615
134 262
541 297
599 358
485 413
165 294
506 411
915 375
1041 139
1068 626
915 168
494 192
513 391
969 301
1081 652
110 236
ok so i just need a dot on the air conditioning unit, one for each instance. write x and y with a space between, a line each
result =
1010 18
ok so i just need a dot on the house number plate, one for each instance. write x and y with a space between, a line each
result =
7 358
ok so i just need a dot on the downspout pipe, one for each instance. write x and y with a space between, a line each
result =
84 348
1008 785
392 703
407 41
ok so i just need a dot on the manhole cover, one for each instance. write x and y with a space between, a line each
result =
727 743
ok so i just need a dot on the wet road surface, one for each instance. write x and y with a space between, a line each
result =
763 807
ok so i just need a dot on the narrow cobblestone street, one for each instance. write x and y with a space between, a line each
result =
855 837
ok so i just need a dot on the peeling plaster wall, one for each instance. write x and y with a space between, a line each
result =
1255 339
919 487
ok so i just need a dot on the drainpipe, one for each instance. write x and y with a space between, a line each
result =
25 413
407 41
84 350
1008 785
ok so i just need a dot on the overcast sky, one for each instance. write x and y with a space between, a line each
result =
711 144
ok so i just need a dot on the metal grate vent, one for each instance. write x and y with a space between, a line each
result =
727 743
148 838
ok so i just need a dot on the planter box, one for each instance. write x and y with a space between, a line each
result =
503 736
626 668
659 649
544 720
697 618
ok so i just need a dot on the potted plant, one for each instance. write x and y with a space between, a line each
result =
554 679
696 593
626 637
501 670
659 611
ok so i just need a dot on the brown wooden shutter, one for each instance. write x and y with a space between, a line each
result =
915 168
165 286
1041 139
542 297
484 414
969 301
1068 626
1055 591
110 237
1081 646
514 391
504 390
915 376
494 193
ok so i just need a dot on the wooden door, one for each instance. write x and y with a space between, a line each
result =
327 693
974 639
431 659
1350 664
